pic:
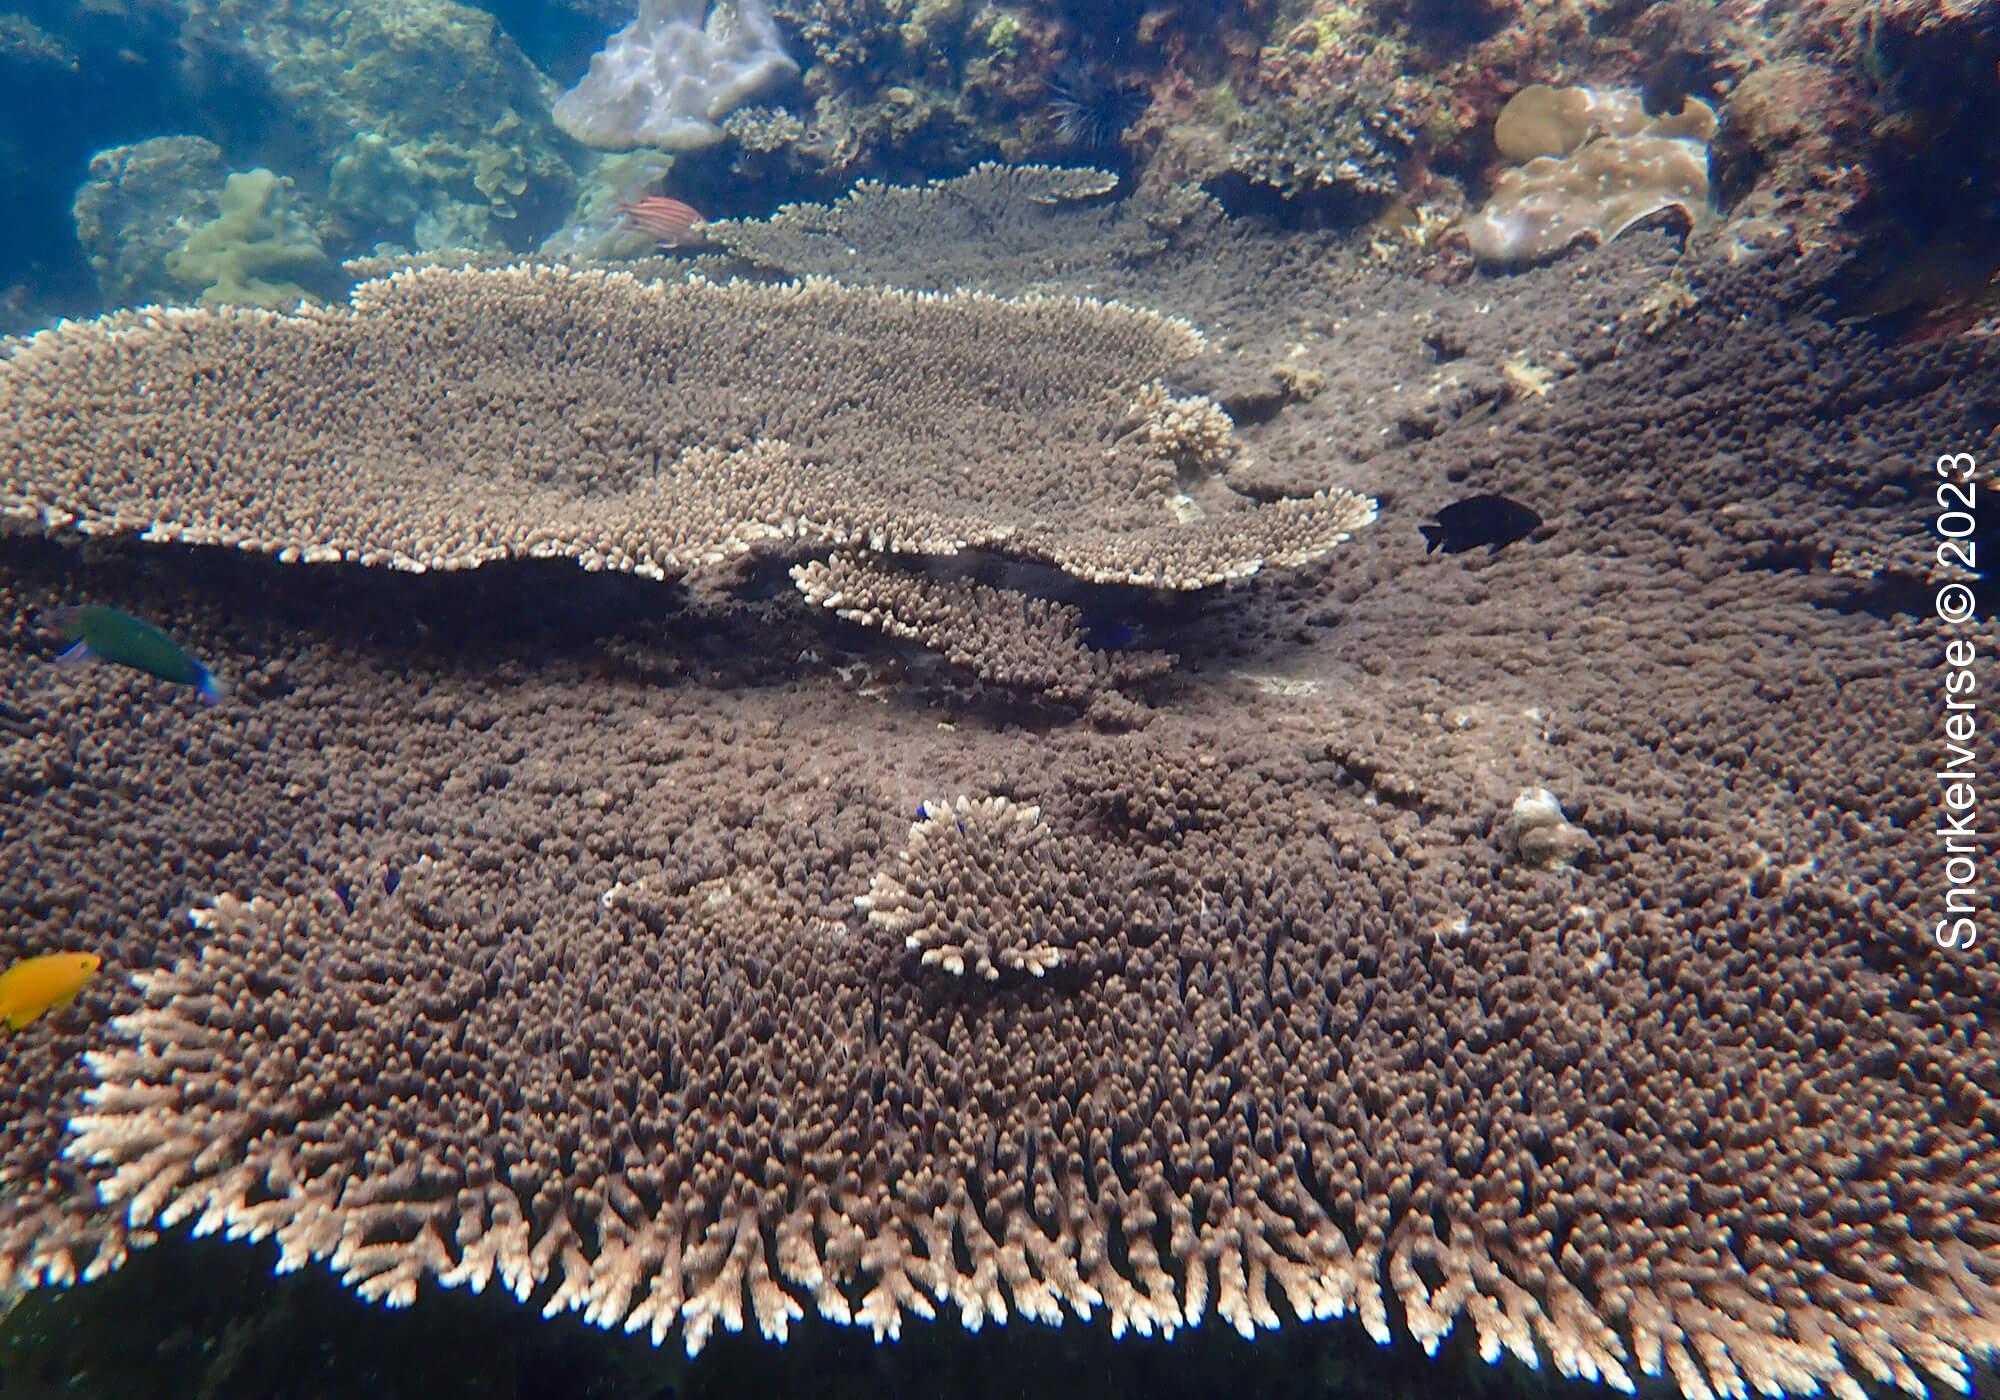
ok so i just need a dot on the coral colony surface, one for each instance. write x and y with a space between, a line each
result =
1213 668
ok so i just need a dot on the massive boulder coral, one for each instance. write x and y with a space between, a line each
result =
446 419
666 79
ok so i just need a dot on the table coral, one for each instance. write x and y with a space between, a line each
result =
516 963
854 425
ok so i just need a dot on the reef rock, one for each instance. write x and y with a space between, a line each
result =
138 206
429 124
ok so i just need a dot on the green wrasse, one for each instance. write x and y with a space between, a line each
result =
106 634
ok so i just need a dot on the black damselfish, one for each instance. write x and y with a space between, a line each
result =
1494 521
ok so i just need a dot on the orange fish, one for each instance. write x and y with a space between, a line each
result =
34 985
671 223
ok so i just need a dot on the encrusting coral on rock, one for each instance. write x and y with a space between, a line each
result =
137 209
422 122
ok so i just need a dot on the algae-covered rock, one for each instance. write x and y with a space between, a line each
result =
138 208
26 43
422 112
258 251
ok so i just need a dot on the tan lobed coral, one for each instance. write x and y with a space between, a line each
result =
447 419
1540 120
258 251
1595 164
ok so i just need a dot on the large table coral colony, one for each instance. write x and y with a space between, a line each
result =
701 1004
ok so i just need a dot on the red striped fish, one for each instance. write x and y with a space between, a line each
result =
671 223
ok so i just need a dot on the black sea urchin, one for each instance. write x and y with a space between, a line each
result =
1091 107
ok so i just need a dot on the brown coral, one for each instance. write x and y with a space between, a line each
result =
1597 165
1540 120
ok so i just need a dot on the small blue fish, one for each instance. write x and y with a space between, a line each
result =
106 634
